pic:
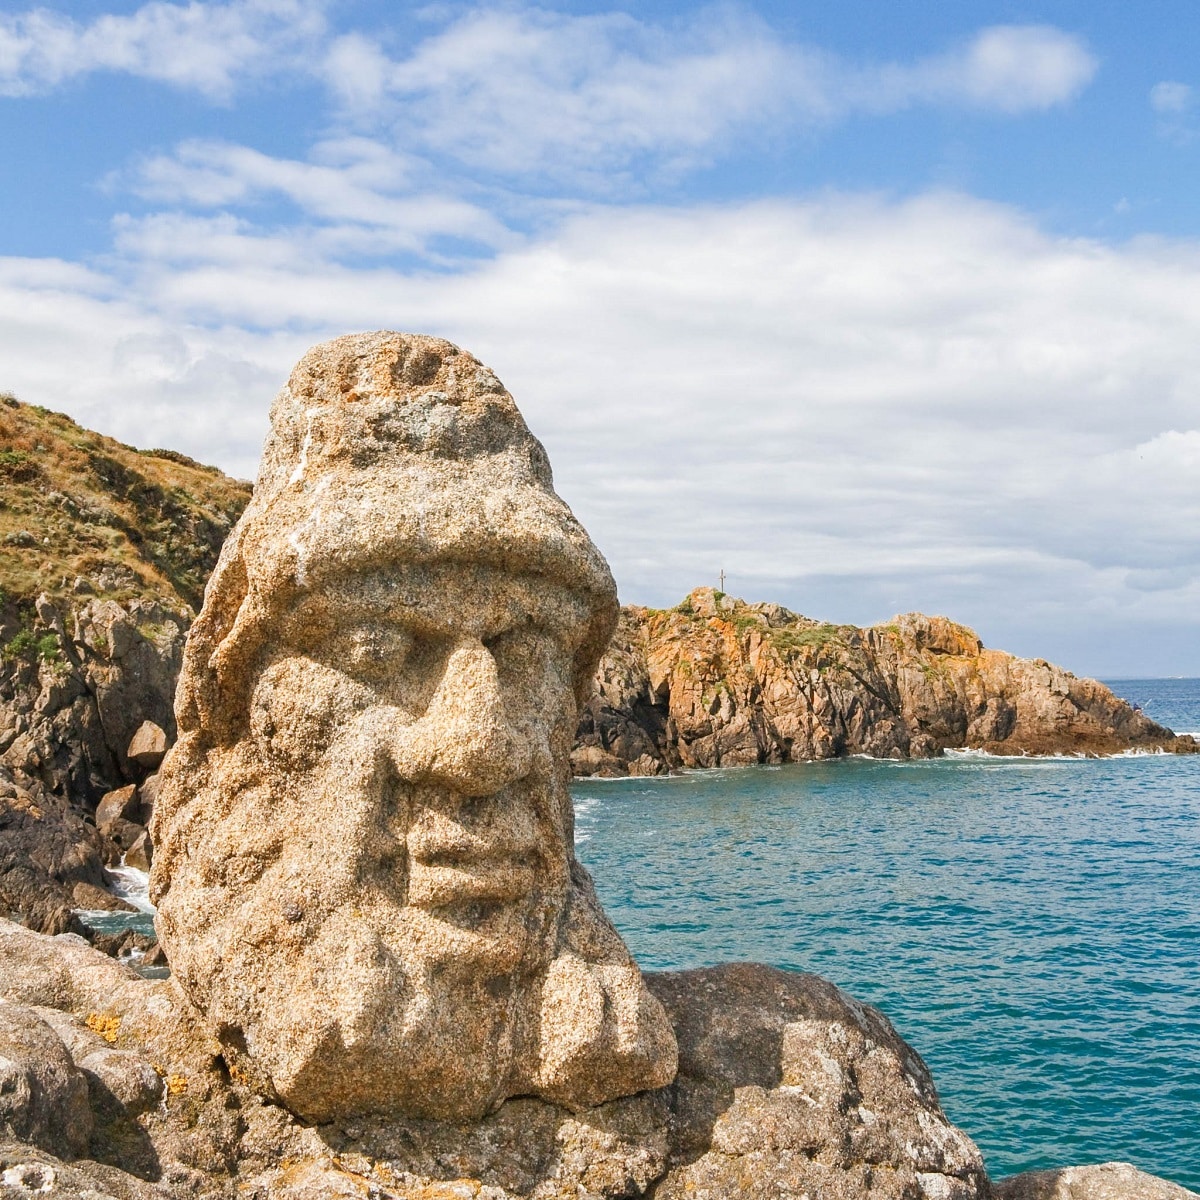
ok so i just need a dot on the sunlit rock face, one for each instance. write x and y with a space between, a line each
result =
364 868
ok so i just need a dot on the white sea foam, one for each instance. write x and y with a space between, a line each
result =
131 885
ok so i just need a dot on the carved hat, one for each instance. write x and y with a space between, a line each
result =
386 449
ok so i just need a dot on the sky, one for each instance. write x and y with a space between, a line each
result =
876 307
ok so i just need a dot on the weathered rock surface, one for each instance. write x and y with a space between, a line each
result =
147 746
67 724
68 719
393 646
785 1084
1107 1181
718 682
43 1094
47 851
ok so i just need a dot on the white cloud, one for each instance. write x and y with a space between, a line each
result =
363 197
603 99
853 406
1169 97
198 46
1017 68
1175 105
519 90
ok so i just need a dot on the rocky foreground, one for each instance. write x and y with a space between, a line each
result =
718 682
111 1086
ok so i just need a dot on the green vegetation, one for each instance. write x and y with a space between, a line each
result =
74 503
27 644
744 621
790 642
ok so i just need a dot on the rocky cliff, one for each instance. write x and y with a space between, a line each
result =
104 552
719 682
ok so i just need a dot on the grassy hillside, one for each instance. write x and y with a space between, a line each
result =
83 514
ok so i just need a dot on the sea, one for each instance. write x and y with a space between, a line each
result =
1030 925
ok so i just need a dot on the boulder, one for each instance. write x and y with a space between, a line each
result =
147 797
96 899
121 804
124 834
140 853
43 1095
147 746
394 644
1107 1181
787 1086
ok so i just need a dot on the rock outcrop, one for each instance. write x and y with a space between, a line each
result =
785 1085
393 646
718 682
72 798
49 856
1106 1181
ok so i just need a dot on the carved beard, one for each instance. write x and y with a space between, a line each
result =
375 944
442 914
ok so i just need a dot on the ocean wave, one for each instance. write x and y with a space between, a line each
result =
131 885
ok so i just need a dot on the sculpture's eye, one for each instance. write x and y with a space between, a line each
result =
530 655
373 650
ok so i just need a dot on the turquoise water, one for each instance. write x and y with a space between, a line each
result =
1031 926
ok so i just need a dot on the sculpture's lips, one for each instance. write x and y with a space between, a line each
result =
480 852
437 884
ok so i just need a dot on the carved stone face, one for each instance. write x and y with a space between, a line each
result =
438 723
365 867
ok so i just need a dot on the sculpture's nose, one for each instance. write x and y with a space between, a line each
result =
465 741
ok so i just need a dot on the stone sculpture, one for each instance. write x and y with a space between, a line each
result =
364 870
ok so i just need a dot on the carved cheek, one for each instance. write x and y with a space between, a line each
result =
297 708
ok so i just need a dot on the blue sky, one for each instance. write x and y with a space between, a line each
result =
876 307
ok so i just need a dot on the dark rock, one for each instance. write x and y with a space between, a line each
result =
68 722
118 805
147 798
125 834
95 899
147 746
141 853
155 956
46 848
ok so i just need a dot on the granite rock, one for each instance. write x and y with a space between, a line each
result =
719 682
785 1083
394 645
1106 1181
147 746
43 1094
